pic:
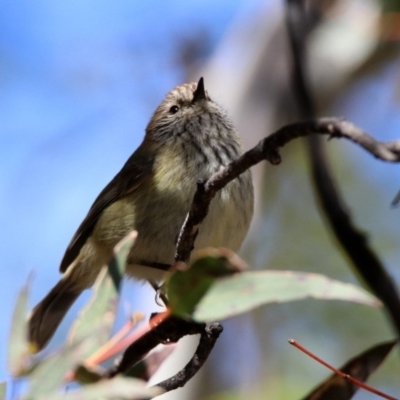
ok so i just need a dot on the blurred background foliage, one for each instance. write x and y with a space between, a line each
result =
79 81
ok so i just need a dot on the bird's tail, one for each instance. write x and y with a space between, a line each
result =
48 314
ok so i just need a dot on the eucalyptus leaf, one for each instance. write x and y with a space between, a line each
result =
102 306
118 388
85 375
19 357
239 293
51 373
185 288
3 390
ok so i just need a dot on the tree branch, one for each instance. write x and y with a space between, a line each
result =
353 241
168 331
207 341
268 149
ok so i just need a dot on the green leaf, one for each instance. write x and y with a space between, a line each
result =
359 367
85 375
101 308
19 358
186 288
120 388
3 390
233 295
50 374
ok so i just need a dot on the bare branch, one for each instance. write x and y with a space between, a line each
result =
168 331
268 149
207 341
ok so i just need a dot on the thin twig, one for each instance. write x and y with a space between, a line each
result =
340 373
108 351
98 357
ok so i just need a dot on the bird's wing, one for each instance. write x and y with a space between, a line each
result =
136 170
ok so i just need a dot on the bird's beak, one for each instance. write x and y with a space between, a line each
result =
199 93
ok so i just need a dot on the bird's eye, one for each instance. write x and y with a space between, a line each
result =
174 109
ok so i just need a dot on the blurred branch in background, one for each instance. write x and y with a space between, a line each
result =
353 241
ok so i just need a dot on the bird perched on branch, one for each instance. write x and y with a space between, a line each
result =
189 137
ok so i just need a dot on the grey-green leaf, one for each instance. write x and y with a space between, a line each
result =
185 288
118 388
102 307
50 374
19 357
3 390
236 294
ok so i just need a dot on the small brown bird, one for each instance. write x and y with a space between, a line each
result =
189 137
